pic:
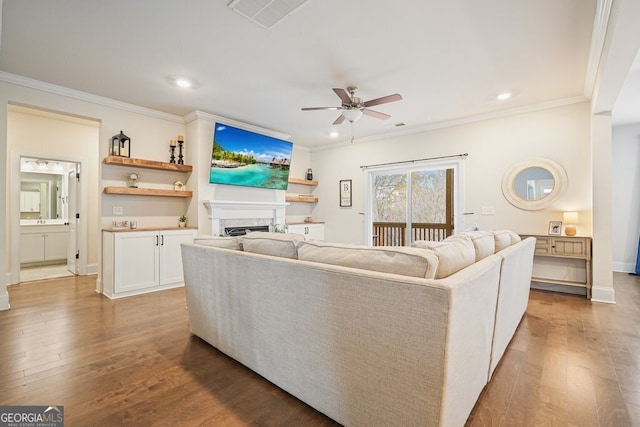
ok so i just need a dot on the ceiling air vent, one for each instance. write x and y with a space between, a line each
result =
266 13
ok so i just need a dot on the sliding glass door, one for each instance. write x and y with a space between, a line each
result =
411 204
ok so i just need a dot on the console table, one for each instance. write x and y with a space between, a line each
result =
564 247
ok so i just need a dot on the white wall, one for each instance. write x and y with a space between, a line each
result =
56 137
626 196
560 134
200 132
150 133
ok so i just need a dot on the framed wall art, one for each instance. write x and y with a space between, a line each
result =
345 193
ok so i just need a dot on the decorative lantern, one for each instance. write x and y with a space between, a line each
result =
120 145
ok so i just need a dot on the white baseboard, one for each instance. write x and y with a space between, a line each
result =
4 300
92 269
624 267
604 294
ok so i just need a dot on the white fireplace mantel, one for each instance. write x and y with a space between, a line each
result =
254 213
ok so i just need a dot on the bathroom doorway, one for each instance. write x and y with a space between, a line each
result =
51 230
48 218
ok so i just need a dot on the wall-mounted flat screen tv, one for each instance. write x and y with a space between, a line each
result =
241 157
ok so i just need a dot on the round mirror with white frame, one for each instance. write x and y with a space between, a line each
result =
534 184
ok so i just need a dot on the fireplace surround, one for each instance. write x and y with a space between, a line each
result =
227 213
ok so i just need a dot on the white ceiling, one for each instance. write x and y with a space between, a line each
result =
448 59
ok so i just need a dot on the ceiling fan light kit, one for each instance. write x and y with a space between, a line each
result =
353 107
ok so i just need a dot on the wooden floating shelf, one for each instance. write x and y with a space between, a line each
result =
296 198
147 164
301 181
129 191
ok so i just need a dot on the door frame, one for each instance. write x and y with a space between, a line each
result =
458 188
83 209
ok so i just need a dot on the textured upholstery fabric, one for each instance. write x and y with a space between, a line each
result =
386 259
218 242
363 347
513 294
275 244
515 237
453 255
483 242
502 239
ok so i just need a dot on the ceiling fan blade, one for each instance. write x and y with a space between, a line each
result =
383 100
376 114
343 95
320 108
339 120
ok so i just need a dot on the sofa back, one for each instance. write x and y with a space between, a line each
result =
363 347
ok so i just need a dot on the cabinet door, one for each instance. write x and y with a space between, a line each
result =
55 246
136 261
31 248
297 229
315 231
171 255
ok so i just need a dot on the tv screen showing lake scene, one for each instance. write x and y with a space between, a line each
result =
241 157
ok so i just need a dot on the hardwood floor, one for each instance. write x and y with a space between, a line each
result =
133 362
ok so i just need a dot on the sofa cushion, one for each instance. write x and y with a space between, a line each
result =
515 237
218 242
502 239
484 242
275 244
401 260
453 254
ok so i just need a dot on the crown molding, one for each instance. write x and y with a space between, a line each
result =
598 36
87 97
201 115
458 122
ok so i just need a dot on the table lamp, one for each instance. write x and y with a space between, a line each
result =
570 219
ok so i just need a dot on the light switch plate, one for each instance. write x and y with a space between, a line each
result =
488 210
118 210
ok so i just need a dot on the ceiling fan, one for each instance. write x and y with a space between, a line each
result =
353 107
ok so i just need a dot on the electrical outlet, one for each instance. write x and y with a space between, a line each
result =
488 210
118 210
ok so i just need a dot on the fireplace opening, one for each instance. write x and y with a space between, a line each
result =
242 230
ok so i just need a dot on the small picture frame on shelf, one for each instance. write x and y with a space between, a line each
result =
345 193
555 228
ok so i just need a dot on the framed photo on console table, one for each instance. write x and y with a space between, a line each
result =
345 193
555 228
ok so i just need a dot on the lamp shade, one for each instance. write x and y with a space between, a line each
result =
570 217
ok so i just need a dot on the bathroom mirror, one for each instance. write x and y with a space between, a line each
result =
534 184
44 190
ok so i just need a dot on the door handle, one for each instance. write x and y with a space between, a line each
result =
156 240
162 238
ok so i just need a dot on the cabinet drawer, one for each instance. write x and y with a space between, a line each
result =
543 246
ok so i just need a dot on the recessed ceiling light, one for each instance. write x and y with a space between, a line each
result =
182 82
503 96
334 134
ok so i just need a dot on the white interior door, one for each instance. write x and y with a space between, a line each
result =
72 239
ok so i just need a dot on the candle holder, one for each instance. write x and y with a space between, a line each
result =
172 149
180 157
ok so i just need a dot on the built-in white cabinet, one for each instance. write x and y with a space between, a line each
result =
43 244
136 262
310 230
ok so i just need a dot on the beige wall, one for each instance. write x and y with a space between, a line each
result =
150 132
560 134
53 136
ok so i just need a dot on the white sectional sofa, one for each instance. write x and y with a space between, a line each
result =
368 336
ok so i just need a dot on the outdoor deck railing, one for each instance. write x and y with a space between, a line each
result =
394 233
